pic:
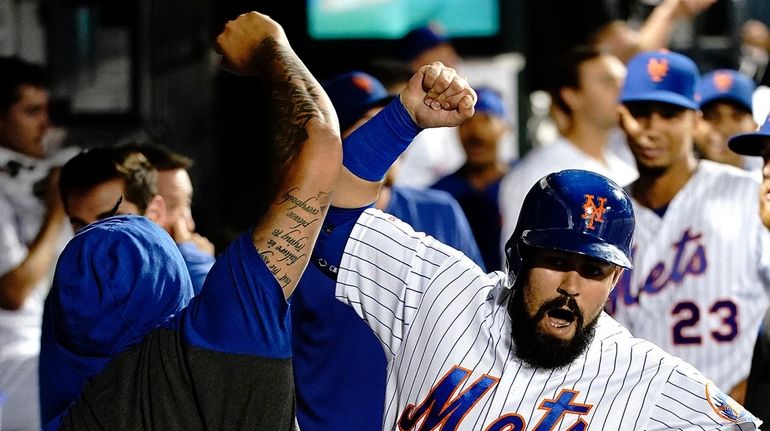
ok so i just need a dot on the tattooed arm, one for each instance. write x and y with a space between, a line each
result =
306 136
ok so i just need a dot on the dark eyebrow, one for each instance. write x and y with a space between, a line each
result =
112 211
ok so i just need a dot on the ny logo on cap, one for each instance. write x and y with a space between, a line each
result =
723 81
364 83
657 69
592 213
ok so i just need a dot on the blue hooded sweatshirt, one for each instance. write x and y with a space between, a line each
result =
115 281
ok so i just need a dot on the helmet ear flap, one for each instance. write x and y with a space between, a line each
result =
517 258
512 261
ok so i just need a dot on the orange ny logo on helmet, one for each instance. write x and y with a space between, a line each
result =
723 81
592 213
657 69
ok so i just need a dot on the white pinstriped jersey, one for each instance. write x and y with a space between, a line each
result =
698 287
445 329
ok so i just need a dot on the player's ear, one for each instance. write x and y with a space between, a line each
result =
616 274
569 96
156 210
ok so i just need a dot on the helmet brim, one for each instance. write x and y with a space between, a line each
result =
576 242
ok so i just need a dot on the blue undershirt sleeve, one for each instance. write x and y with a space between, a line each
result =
338 226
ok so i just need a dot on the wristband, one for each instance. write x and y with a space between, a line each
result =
373 148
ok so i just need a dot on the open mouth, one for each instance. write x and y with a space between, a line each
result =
560 317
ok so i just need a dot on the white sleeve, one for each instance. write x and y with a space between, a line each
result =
385 269
689 401
12 249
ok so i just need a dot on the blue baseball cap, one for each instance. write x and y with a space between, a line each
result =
661 76
751 144
420 40
490 102
725 84
354 93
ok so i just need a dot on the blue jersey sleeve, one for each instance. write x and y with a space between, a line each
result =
242 308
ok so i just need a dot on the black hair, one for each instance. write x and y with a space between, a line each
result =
15 72
101 164
567 73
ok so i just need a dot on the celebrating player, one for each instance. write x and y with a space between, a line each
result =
698 288
527 349
225 361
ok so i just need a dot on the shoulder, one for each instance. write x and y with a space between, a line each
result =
390 232
611 331
430 197
720 171
729 182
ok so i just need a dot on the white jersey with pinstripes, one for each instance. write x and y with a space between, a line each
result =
445 329
699 284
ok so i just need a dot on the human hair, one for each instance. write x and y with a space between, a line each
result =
567 73
160 157
101 164
15 72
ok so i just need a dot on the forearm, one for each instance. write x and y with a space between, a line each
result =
656 30
296 97
306 138
17 284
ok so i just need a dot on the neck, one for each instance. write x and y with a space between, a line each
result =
656 191
589 138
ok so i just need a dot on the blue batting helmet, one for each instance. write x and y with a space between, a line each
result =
574 211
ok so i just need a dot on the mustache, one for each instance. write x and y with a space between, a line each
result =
559 302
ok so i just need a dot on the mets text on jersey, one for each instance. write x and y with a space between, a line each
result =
444 410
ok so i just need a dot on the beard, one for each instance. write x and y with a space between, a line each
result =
539 349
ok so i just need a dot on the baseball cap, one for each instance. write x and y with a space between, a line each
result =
490 102
354 93
725 84
751 144
420 40
661 76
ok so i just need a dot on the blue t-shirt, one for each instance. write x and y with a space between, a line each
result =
482 209
241 309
